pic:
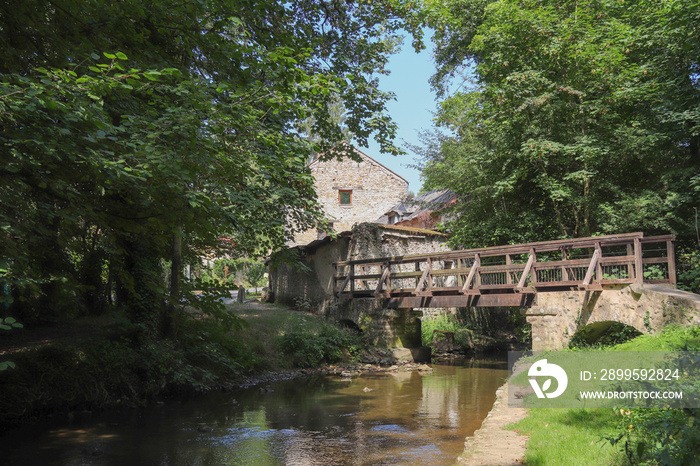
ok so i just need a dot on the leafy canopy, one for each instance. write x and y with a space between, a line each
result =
582 118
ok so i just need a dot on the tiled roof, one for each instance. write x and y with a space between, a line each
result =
411 208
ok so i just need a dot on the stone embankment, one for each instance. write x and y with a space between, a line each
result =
492 444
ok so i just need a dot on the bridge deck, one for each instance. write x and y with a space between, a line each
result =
509 275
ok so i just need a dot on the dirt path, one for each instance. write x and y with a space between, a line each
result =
492 444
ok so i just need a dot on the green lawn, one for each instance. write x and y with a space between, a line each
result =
578 436
570 437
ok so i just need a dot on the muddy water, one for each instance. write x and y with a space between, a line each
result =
396 418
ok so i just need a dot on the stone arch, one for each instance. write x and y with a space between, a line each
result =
594 312
350 324
604 331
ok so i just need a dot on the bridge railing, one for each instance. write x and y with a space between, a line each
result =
581 264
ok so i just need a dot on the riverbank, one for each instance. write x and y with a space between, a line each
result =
511 435
105 363
494 443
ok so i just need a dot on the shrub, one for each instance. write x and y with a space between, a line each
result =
592 337
689 271
330 344
447 323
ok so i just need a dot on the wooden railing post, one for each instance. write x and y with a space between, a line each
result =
671 256
351 276
472 274
638 262
593 265
424 277
528 267
509 261
386 272
345 282
564 257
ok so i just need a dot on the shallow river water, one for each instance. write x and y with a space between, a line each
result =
393 418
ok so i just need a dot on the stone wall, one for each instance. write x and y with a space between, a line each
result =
310 278
648 308
307 273
392 328
375 189
372 240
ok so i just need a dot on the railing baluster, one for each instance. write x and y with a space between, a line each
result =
592 266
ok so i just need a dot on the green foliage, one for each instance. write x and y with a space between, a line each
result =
660 436
8 323
521 328
445 323
689 271
303 305
4 365
132 135
234 271
328 344
583 118
657 436
593 337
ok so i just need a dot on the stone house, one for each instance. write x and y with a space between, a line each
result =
352 192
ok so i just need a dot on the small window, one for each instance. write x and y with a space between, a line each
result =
345 197
392 219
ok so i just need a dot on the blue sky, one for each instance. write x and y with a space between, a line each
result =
412 110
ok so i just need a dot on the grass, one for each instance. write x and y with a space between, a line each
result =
673 338
576 436
569 436
267 324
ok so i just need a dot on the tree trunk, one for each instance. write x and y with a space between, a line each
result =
170 315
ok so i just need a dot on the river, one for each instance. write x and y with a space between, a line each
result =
385 418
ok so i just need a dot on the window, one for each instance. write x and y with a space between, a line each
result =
345 197
392 218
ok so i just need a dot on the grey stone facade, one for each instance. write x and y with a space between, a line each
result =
352 192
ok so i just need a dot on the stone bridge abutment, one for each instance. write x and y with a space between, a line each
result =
557 316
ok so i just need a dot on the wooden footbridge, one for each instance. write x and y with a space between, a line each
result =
508 275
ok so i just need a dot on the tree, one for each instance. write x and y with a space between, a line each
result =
583 119
136 133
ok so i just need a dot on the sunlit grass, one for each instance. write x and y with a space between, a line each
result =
577 436
569 436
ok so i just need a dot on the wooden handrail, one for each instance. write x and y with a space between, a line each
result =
599 268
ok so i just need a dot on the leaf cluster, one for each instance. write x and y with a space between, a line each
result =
581 119
133 134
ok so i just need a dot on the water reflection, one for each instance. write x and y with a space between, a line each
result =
396 418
